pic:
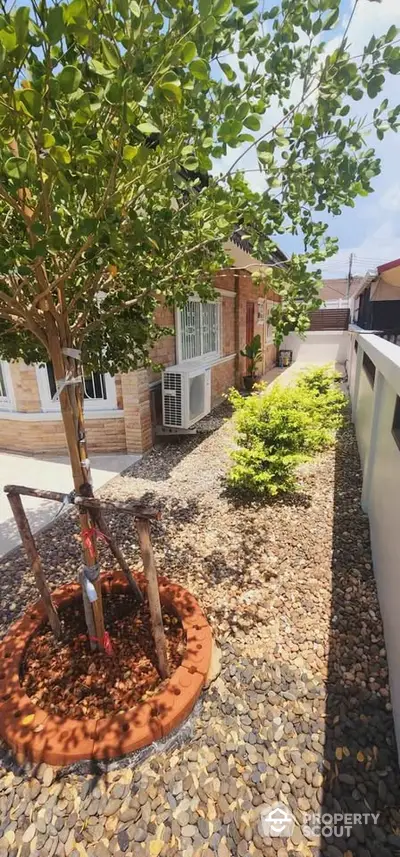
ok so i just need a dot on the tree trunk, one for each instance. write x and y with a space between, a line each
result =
71 404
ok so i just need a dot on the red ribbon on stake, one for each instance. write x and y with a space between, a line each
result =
87 539
105 643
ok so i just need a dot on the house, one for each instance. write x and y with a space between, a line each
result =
336 292
376 302
121 412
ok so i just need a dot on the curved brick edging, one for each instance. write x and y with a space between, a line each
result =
37 736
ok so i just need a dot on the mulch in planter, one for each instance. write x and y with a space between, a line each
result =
65 678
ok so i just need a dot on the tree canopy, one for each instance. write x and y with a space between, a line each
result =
113 115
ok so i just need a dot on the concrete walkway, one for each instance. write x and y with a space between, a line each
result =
48 473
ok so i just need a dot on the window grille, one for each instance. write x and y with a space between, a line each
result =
199 329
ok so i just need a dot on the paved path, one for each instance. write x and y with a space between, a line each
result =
47 473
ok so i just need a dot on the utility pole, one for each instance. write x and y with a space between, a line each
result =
349 276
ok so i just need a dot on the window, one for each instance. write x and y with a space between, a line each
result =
369 367
95 385
396 422
6 389
99 390
198 330
269 328
3 391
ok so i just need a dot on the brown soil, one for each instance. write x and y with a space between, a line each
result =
67 679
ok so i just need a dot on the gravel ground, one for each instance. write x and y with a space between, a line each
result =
301 710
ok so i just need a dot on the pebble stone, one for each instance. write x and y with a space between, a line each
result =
300 712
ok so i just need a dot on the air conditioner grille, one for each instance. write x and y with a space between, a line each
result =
172 403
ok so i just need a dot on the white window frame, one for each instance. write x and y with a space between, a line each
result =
48 404
209 356
269 330
7 402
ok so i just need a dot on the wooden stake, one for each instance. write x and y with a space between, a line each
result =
116 551
36 566
157 627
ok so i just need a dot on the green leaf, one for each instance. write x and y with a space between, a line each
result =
189 51
32 101
222 7
3 55
100 69
8 38
356 93
391 33
21 24
69 79
60 154
55 24
123 8
16 168
228 71
170 84
253 122
209 25
111 54
330 20
199 69
205 7
135 8
147 128
75 12
266 157
48 140
130 152
242 111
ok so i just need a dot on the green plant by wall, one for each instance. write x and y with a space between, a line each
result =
278 430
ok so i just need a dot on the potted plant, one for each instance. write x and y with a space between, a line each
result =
254 356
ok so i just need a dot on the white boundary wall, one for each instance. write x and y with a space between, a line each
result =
318 346
373 405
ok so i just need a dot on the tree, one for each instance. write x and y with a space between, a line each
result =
112 113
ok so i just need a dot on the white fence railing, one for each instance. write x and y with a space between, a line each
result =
341 303
374 379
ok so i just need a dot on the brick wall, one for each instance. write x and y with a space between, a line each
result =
228 325
137 412
249 292
47 436
25 387
164 350
222 377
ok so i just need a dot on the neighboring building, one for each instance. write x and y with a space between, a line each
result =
121 412
336 293
334 313
376 303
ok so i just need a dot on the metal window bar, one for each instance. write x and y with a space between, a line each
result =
3 391
191 338
94 385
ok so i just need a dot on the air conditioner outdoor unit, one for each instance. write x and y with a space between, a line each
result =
186 395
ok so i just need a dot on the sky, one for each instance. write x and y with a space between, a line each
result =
371 230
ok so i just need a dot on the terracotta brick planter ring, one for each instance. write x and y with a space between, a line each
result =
37 736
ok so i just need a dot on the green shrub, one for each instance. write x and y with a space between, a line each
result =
278 430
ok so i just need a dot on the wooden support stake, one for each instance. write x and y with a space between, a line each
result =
157 627
36 566
116 551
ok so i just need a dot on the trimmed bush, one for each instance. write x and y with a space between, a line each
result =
279 429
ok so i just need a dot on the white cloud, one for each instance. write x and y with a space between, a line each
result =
381 245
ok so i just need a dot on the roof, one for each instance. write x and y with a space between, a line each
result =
388 266
334 290
275 257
